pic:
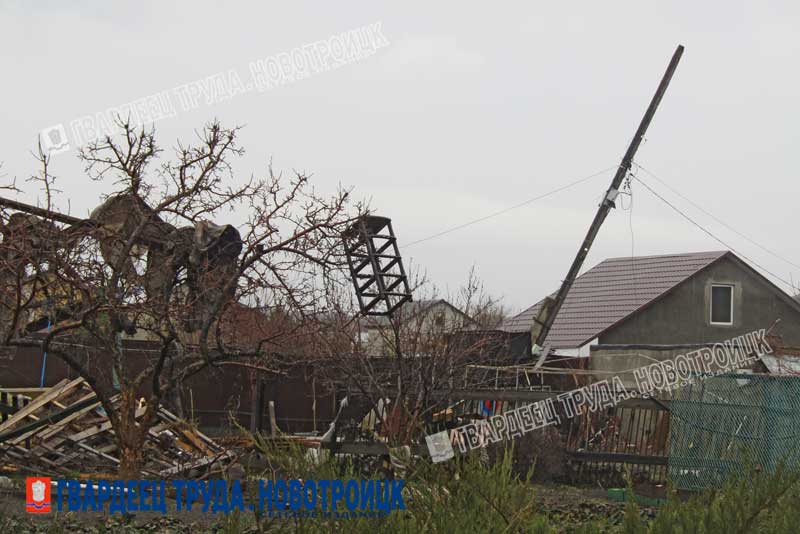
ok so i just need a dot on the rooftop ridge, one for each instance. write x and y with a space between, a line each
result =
672 255
609 292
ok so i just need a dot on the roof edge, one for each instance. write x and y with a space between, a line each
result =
657 298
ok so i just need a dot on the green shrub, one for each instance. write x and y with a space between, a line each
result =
757 502
458 496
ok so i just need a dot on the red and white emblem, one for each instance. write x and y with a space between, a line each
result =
37 495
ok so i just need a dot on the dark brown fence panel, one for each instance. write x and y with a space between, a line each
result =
604 446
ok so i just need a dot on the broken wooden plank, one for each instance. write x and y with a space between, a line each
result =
208 460
57 390
55 424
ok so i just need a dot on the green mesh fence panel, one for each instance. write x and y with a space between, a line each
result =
721 425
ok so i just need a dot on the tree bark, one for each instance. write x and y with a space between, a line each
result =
130 437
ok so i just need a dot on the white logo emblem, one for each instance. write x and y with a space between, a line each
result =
54 139
439 446
38 488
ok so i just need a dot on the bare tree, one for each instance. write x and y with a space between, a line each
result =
151 264
405 366
486 311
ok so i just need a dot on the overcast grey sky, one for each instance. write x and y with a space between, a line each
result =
470 109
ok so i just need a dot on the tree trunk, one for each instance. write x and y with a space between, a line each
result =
130 437
131 460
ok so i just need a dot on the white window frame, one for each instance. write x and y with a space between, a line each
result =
711 304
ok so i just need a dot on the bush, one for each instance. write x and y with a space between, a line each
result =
464 495
458 496
756 502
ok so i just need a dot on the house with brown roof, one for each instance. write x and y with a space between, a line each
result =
665 303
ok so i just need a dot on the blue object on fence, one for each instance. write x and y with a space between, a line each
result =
44 357
488 408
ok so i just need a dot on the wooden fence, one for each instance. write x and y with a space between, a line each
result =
602 446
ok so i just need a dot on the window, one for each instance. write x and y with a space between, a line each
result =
721 304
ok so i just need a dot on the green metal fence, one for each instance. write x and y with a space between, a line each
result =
722 425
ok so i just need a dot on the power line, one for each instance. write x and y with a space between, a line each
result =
506 210
627 189
723 223
708 232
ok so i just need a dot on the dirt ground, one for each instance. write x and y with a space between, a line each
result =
564 504
13 519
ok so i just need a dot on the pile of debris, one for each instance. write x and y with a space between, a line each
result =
64 430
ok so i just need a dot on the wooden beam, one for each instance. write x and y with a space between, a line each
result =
541 327
41 212
54 422
371 448
521 395
28 410
586 456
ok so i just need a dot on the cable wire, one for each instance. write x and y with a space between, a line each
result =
717 219
515 206
708 232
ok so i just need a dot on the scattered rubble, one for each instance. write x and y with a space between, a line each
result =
64 430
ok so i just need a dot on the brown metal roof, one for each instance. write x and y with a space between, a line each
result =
610 291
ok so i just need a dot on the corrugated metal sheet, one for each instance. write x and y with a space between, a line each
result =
611 291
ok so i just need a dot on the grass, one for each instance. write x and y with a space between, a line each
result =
465 495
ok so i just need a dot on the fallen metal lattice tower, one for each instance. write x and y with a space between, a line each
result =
376 266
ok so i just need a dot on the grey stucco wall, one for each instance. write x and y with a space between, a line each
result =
610 361
621 362
683 316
